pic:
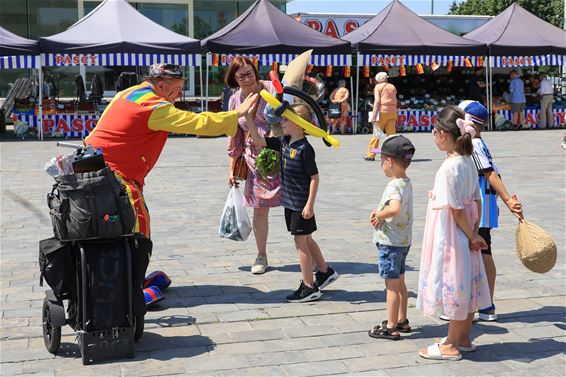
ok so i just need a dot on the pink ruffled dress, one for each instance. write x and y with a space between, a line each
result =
452 278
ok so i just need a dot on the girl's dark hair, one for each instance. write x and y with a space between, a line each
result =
446 122
237 63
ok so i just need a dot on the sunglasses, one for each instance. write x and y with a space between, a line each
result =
246 76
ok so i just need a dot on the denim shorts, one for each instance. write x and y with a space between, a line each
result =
391 260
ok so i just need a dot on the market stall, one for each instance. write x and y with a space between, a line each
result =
271 37
403 44
516 39
127 39
19 53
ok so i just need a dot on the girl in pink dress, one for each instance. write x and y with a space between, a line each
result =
452 276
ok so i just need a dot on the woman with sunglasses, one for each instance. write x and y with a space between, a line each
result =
259 193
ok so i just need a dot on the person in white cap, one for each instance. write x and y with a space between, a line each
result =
385 105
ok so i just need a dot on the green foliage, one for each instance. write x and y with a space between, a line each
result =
267 163
549 10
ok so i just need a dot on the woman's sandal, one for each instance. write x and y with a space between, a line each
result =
382 332
404 327
433 353
470 348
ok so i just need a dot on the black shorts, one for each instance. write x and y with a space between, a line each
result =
297 225
485 233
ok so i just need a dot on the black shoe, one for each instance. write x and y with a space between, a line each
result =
324 279
304 294
369 158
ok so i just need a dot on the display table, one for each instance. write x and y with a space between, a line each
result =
423 120
61 125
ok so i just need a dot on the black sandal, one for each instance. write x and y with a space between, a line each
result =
382 332
404 327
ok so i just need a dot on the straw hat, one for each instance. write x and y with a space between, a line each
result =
535 247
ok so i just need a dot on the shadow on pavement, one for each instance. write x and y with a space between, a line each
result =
152 346
343 268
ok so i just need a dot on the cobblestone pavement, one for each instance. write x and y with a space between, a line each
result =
218 319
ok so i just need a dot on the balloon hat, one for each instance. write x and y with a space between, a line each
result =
289 88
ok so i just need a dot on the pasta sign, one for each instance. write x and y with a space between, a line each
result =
68 123
334 26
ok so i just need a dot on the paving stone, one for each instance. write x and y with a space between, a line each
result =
218 319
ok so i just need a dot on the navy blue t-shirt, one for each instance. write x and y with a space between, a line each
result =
297 166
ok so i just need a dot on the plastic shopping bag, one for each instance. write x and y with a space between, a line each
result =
234 222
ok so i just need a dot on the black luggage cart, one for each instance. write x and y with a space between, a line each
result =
100 305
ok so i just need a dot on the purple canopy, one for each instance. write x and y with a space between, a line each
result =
515 31
264 28
398 30
117 27
12 44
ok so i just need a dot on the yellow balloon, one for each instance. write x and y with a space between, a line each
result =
309 128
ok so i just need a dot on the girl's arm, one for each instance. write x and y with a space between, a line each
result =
308 211
346 96
515 207
461 218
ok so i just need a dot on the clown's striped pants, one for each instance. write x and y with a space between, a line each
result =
137 200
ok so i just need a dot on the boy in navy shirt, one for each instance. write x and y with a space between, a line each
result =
299 185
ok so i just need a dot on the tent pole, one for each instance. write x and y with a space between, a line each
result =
201 89
206 77
488 92
40 106
357 87
354 115
491 113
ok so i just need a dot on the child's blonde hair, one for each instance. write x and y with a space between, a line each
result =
302 110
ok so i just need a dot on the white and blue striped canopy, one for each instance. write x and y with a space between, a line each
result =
19 62
397 60
337 60
528 61
120 59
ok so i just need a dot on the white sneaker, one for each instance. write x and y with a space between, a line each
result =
490 317
444 317
260 265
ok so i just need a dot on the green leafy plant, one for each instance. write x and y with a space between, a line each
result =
267 163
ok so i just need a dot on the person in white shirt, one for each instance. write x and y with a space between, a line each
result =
545 93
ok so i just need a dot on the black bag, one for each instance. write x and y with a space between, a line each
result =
141 248
57 267
90 205
334 111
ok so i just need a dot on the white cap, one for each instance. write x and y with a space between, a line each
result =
381 76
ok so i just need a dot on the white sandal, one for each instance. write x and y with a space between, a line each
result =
433 353
471 348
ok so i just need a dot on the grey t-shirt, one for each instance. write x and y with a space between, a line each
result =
397 230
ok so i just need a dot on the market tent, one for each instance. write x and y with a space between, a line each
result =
20 53
515 31
17 52
115 33
396 30
265 30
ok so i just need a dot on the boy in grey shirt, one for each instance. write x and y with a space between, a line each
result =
393 222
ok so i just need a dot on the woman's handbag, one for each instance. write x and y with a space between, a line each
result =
241 168
334 111
240 172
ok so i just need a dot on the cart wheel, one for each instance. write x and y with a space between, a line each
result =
365 130
139 325
51 334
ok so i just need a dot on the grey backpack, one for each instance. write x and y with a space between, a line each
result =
90 205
